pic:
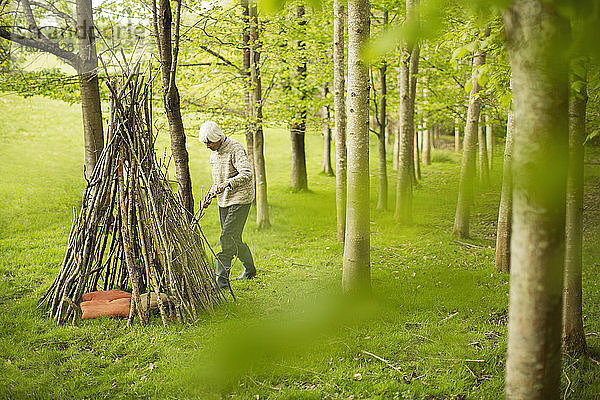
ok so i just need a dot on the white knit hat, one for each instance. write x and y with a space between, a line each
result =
210 131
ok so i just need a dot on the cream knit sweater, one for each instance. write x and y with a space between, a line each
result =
230 164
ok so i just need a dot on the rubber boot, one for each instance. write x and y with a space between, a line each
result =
222 275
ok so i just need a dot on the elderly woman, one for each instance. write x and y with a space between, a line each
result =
234 189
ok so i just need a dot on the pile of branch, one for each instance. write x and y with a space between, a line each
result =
132 233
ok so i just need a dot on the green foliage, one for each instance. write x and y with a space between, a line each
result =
50 83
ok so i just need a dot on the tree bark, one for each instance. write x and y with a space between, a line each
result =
489 140
396 154
339 106
262 204
248 104
457 135
416 155
383 181
469 157
484 175
91 109
426 134
299 180
356 276
168 52
326 168
537 40
413 71
404 183
573 336
502 260
426 138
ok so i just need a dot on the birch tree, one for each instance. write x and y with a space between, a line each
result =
537 38
356 276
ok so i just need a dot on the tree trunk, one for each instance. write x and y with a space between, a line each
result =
469 157
404 183
573 337
299 180
457 135
91 111
356 276
413 71
383 181
426 134
262 205
502 259
168 65
87 70
537 41
489 140
396 154
339 106
416 156
248 110
327 170
426 138
484 175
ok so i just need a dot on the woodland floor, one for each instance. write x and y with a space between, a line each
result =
435 328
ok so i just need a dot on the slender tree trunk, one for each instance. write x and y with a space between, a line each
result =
91 109
168 52
383 180
426 134
262 204
457 135
396 154
537 41
502 259
426 138
414 70
248 104
573 336
489 140
299 179
327 170
416 156
388 132
469 157
339 106
356 276
404 183
484 175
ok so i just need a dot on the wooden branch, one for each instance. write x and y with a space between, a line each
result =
70 58
220 57
50 7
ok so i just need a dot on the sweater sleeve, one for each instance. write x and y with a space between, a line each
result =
242 165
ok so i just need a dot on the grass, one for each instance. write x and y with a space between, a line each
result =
437 303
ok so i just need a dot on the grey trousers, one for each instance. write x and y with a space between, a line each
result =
233 219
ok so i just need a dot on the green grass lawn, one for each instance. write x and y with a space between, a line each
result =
434 329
